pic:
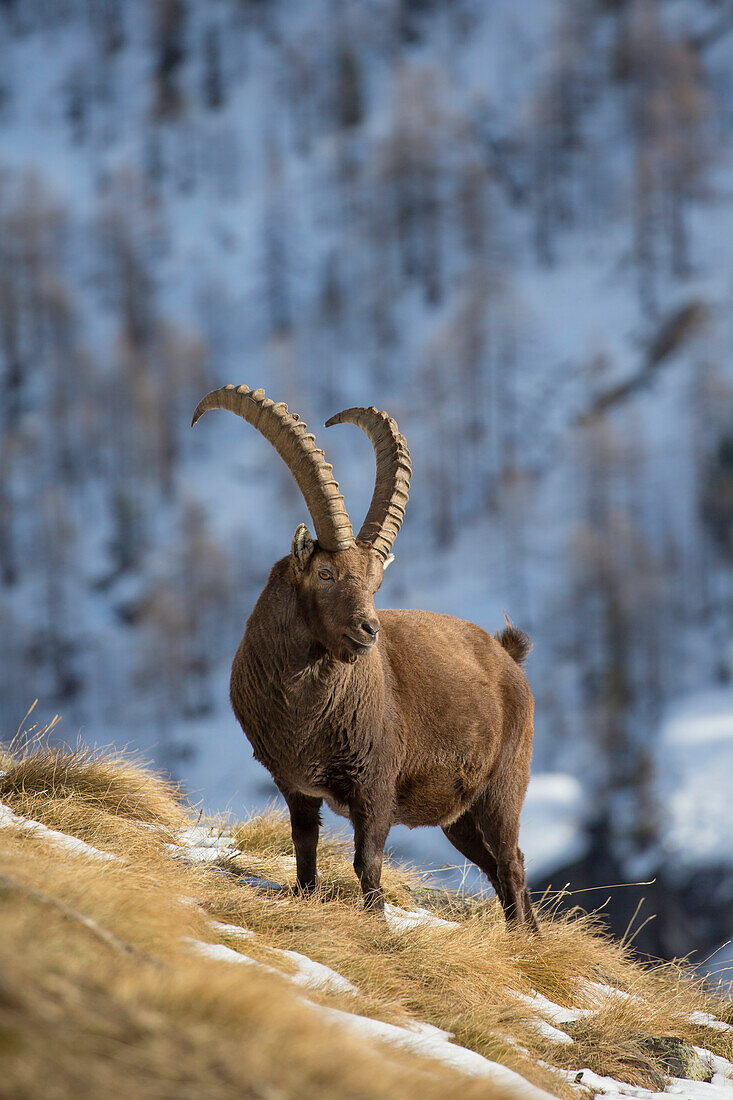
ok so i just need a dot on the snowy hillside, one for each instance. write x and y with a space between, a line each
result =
507 224
143 943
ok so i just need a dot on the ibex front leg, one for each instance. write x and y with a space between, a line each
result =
371 822
305 821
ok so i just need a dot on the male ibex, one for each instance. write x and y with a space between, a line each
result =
403 717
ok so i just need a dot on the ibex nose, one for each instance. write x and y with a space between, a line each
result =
371 627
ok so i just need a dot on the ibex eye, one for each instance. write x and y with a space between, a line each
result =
325 574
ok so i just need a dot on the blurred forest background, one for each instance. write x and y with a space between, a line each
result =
508 224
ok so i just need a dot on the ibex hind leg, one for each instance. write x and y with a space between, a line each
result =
466 837
500 835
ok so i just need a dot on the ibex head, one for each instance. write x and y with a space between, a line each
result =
335 575
335 590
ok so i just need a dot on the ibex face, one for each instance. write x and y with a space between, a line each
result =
336 595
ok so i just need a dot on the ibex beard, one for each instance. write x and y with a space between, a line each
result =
395 717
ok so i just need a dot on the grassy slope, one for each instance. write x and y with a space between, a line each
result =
83 1009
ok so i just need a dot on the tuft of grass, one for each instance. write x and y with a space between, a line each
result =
266 834
118 784
184 1025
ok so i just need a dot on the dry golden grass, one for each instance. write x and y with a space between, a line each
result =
170 1023
112 782
79 1020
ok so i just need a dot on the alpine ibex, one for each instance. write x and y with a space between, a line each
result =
398 717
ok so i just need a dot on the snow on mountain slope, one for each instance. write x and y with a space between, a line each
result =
312 977
696 771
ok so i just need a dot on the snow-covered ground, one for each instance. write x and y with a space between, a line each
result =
432 1042
199 843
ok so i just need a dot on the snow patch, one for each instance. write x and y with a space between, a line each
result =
432 1042
234 930
403 920
551 1012
222 953
611 1089
599 992
200 844
310 973
706 1019
8 819
202 855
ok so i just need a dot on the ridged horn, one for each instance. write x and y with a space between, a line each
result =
297 448
392 483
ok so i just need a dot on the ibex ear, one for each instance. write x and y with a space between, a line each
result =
303 545
387 561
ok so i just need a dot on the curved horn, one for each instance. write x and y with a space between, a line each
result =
392 483
297 448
